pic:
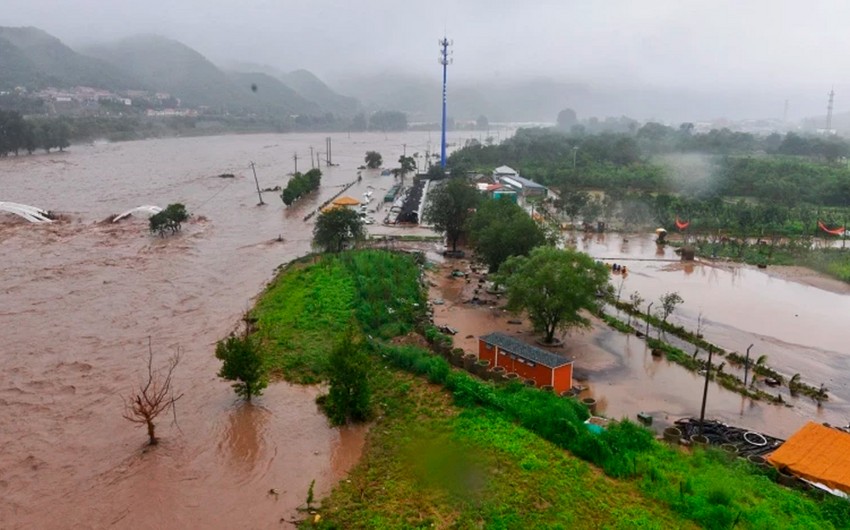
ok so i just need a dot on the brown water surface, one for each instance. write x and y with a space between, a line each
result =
79 299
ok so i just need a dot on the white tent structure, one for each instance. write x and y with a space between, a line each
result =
146 209
30 213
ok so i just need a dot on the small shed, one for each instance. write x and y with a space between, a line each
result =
817 454
527 361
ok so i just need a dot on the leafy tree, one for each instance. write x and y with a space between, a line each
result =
553 286
572 201
171 218
566 119
349 397
301 184
243 364
373 159
337 226
449 206
669 301
406 165
500 229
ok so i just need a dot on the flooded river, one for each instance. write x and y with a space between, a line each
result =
79 299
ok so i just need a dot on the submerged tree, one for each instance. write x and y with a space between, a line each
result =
242 364
349 398
553 286
153 397
669 301
169 219
373 159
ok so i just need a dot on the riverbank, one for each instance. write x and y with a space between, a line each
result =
459 451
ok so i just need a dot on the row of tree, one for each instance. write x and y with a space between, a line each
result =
617 162
301 184
19 134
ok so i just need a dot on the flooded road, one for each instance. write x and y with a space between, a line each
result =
79 299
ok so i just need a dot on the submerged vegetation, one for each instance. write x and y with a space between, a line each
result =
494 455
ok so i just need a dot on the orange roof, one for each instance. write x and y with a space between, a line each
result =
346 201
818 454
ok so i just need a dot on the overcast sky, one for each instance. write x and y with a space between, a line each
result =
772 45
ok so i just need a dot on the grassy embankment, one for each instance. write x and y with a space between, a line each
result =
493 456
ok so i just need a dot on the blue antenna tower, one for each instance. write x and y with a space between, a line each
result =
445 60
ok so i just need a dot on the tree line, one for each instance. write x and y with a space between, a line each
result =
655 158
18 134
301 184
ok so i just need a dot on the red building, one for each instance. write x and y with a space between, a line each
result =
529 362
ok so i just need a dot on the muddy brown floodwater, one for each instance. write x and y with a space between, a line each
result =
801 327
79 299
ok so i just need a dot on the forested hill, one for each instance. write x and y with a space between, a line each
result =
267 91
34 59
175 68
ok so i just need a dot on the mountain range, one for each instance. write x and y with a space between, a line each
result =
31 58
34 59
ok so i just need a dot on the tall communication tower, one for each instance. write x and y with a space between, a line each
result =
445 60
829 111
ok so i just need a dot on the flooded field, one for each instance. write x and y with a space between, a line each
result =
801 328
79 299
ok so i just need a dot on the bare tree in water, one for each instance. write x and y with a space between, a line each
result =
154 396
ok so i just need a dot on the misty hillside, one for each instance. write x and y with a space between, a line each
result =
532 100
272 94
173 67
32 58
311 87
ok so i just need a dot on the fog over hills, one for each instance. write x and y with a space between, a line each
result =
670 61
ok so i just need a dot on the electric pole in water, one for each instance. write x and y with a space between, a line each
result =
311 158
705 392
295 157
445 60
257 182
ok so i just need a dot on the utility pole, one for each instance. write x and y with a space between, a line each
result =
329 159
445 60
705 391
295 157
257 182
829 111
311 158
648 310
405 149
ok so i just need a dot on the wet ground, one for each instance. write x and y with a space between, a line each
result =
620 372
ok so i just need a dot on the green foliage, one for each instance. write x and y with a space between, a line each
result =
553 286
336 227
669 301
388 120
169 219
449 206
373 159
243 364
500 229
301 184
349 398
